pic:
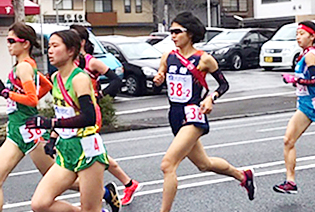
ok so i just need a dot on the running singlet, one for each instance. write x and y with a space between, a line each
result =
305 93
181 85
18 113
64 110
93 74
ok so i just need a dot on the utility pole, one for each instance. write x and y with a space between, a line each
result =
57 15
19 10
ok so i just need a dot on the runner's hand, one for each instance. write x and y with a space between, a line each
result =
3 90
206 105
50 147
38 122
288 78
159 79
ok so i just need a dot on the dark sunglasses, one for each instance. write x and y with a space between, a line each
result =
177 30
14 40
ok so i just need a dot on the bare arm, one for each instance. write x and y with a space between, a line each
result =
160 77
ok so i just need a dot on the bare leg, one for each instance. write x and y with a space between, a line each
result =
218 165
296 127
117 171
10 156
91 189
178 150
54 183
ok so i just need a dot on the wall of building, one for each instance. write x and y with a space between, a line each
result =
144 17
282 9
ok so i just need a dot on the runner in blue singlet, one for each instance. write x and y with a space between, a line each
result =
304 80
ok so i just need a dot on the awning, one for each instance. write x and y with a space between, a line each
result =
6 7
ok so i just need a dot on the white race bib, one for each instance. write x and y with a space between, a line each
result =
11 106
92 145
301 90
179 87
193 114
30 135
65 112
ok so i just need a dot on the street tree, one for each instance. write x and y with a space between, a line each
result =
19 10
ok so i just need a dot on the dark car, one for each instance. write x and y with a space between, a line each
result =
238 48
140 61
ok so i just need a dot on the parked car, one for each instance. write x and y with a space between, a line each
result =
140 60
160 34
150 39
238 48
99 51
166 45
281 50
211 32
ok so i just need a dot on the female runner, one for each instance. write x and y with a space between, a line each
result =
185 70
24 87
81 152
304 80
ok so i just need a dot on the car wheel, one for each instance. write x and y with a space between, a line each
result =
294 61
133 85
236 62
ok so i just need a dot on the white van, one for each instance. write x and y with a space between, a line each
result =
281 50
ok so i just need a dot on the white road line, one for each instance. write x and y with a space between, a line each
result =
191 185
163 107
163 153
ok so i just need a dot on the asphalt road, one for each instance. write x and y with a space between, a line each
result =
247 127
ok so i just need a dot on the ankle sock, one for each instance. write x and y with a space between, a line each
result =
129 184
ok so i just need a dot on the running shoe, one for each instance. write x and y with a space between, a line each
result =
104 210
249 183
287 187
113 199
129 192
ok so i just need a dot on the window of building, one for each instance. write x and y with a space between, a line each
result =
103 6
138 6
235 5
64 5
272 1
127 6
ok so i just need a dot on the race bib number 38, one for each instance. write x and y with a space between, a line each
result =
30 135
92 145
179 87
193 114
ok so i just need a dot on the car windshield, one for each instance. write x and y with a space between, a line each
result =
138 51
230 36
285 33
98 48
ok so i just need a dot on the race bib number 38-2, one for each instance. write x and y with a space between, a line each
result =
30 135
179 87
193 114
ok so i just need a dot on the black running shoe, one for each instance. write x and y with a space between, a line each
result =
249 183
113 199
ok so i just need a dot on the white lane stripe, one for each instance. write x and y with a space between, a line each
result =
163 107
212 129
190 185
276 128
163 153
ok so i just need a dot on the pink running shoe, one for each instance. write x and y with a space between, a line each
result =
129 192
249 183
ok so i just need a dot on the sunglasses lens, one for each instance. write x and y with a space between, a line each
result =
11 40
176 31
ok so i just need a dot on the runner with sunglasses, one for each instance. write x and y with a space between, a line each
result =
24 87
95 68
185 70
304 80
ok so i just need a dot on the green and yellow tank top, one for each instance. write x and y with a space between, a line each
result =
18 113
64 110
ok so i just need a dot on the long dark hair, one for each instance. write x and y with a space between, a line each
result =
84 35
72 41
23 31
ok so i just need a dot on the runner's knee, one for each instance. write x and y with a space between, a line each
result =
40 205
167 166
288 142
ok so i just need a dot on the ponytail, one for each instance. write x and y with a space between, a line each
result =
81 61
